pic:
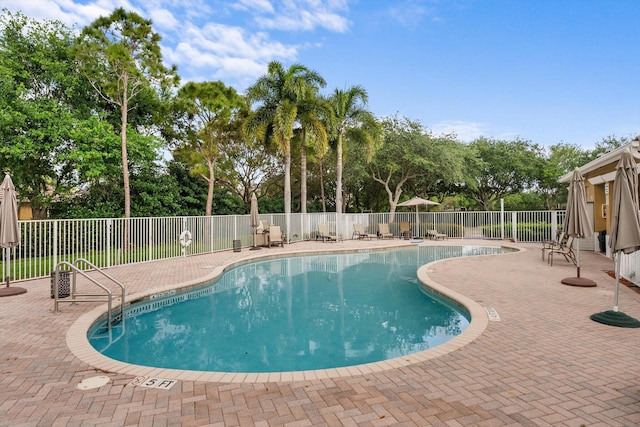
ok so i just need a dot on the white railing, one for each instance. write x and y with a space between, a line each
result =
108 242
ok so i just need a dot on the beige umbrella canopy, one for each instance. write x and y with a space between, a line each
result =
625 232
254 219
9 228
417 202
577 224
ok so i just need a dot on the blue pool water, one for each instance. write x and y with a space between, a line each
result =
291 314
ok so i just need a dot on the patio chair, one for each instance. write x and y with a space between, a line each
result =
275 236
360 233
548 245
383 228
405 230
433 234
566 250
324 234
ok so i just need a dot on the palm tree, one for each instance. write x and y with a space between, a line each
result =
352 122
280 93
312 134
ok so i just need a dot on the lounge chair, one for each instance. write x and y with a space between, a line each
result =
433 234
324 234
405 230
275 236
566 250
383 228
360 233
548 245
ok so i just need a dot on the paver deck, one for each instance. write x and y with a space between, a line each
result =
544 363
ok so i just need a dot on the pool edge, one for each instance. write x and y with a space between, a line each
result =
78 344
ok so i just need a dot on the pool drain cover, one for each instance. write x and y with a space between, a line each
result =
493 314
93 382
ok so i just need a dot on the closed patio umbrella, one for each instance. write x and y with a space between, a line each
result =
9 229
254 219
577 224
625 232
417 201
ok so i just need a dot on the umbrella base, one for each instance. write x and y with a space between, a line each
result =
7 292
615 318
578 281
255 248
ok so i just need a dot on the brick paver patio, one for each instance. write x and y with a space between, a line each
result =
544 363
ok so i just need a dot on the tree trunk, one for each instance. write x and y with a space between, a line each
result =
322 196
303 173
339 174
210 182
125 157
287 187
124 109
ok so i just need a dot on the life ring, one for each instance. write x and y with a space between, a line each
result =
185 238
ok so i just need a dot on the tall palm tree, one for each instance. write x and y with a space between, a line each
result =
353 122
312 134
279 94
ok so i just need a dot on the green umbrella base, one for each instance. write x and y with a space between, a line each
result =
8 291
616 318
578 281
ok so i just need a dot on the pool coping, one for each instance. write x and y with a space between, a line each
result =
78 344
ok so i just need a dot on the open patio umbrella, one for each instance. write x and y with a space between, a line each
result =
625 232
577 224
417 202
9 229
254 220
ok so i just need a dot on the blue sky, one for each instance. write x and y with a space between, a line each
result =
548 71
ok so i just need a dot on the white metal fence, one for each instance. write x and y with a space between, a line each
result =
115 241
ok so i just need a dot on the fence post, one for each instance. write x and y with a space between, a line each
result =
150 241
514 226
55 244
554 224
501 219
109 240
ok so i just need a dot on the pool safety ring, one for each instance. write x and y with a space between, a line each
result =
185 238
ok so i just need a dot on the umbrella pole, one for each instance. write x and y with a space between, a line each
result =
8 266
615 317
255 246
578 257
578 281
617 291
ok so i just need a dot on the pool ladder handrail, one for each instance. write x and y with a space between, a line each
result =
75 269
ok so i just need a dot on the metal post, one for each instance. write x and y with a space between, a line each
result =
501 219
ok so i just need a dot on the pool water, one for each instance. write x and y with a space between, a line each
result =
292 314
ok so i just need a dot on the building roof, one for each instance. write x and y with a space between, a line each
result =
606 159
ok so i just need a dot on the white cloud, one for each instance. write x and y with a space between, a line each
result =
255 5
465 131
410 13
163 18
210 39
307 15
228 53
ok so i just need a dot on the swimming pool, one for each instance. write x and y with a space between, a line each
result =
293 314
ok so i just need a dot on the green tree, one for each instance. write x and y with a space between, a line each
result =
559 160
120 56
409 153
351 122
312 134
253 168
212 114
48 121
496 168
279 94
